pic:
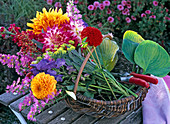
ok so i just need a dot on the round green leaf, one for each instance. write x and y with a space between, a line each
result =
152 58
131 40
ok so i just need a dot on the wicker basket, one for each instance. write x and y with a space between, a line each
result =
100 108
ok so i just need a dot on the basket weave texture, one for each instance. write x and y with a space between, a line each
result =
100 108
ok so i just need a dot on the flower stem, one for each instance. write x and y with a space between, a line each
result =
97 58
93 57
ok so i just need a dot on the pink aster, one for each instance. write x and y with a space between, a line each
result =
120 7
153 16
155 3
124 2
128 20
106 3
124 12
110 19
143 15
101 7
96 4
129 6
55 36
147 11
49 2
90 7
58 4
100 25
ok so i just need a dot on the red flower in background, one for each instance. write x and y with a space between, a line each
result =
94 36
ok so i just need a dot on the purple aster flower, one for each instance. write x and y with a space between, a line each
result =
143 15
58 4
106 3
90 7
109 11
155 3
120 7
133 18
153 16
49 2
96 4
76 1
101 6
110 19
123 2
128 20
147 11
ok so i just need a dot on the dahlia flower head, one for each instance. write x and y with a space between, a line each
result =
48 19
56 36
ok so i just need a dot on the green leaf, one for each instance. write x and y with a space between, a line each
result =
131 40
39 44
107 51
152 58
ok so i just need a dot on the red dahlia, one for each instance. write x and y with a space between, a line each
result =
94 36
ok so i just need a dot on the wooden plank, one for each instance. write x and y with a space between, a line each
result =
134 118
112 120
57 109
85 119
8 98
14 105
66 118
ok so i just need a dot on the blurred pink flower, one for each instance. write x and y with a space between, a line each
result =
167 18
128 2
155 3
96 4
147 11
58 4
106 3
110 19
129 6
143 15
124 12
120 7
101 7
123 2
153 16
49 2
133 17
109 11
90 7
76 1
128 20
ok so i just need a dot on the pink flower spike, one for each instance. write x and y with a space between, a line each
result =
147 11
101 7
155 3
76 1
124 2
120 7
128 20
90 7
106 3
49 2
96 4
153 16
110 19
58 4
143 15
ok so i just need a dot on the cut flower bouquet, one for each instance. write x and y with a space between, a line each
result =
60 56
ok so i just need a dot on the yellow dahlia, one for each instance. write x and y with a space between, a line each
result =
48 19
43 85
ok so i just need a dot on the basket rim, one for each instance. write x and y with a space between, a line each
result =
139 92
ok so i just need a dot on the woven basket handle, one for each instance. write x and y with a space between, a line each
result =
81 69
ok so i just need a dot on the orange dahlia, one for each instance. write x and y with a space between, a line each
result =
48 19
43 85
